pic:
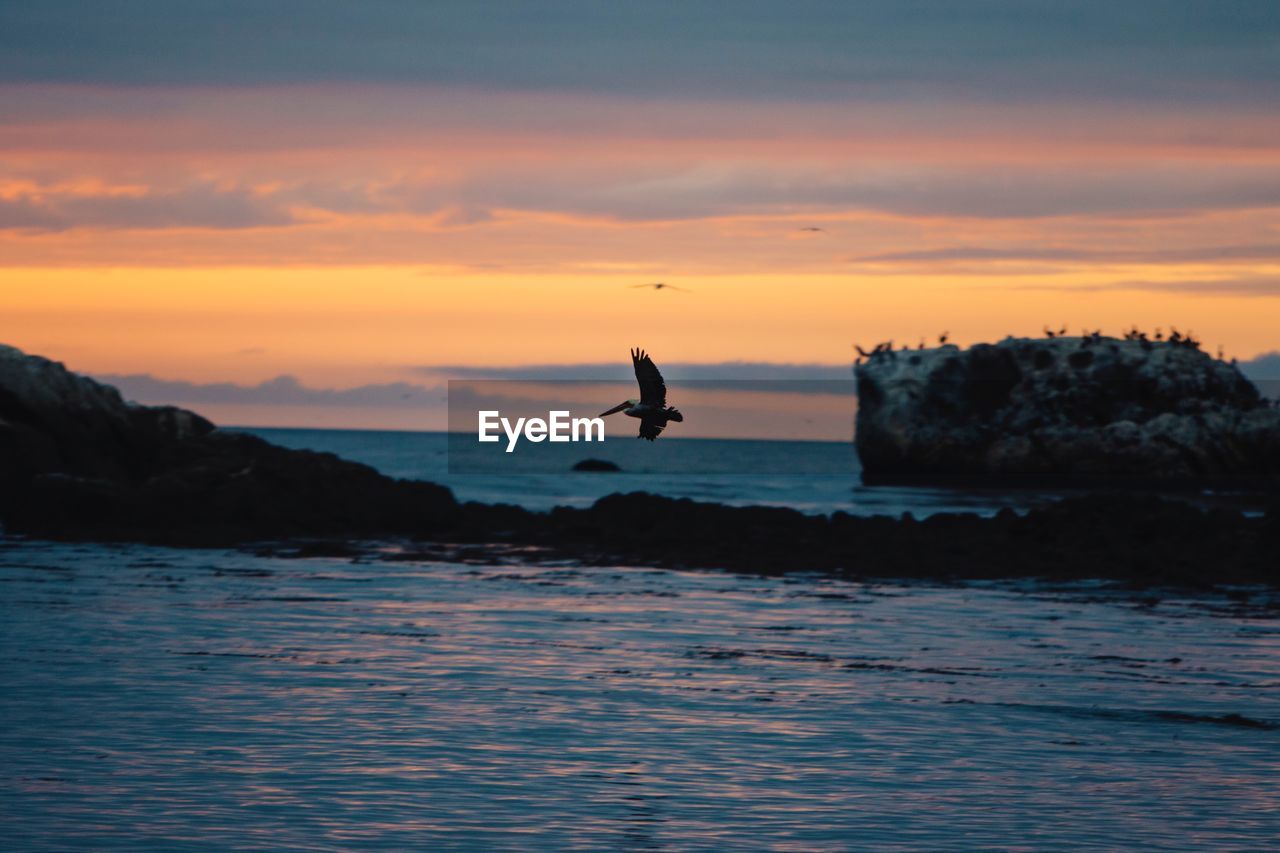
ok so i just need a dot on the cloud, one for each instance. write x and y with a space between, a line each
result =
1260 286
721 187
619 370
1167 49
200 205
450 158
1265 367
1264 371
647 191
23 214
821 412
280 391
1256 252
740 376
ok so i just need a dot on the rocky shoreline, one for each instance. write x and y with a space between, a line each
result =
77 462
1143 540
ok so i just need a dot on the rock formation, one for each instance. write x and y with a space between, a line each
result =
77 460
1063 410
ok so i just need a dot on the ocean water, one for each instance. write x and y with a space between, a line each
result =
811 476
222 700
232 700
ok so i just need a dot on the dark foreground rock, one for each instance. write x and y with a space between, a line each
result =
77 461
1143 539
1078 410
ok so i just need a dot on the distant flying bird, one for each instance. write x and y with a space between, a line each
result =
662 285
812 229
651 408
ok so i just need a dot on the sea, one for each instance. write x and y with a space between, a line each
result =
250 699
809 476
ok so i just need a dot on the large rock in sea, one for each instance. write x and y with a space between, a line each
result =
77 460
1067 410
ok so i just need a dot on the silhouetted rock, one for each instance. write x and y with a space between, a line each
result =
1090 409
596 465
1141 539
52 420
76 460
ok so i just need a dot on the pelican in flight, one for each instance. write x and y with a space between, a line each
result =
651 408
661 285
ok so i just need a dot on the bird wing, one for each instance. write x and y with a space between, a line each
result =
653 391
650 428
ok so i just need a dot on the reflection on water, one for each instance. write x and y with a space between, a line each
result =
210 699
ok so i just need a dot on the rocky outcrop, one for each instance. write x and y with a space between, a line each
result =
1141 539
76 460
1065 410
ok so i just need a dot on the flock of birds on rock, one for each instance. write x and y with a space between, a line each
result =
887 348
1087 338
1175 337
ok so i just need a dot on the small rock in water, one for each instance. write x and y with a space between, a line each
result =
596 465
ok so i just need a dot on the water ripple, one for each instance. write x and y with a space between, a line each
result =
214 700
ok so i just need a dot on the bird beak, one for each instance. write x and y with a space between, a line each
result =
617 408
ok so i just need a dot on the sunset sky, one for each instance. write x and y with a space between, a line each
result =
370 198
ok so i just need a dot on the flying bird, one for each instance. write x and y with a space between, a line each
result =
812 229
662 285
651 408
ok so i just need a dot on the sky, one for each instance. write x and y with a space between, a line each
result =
300 212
